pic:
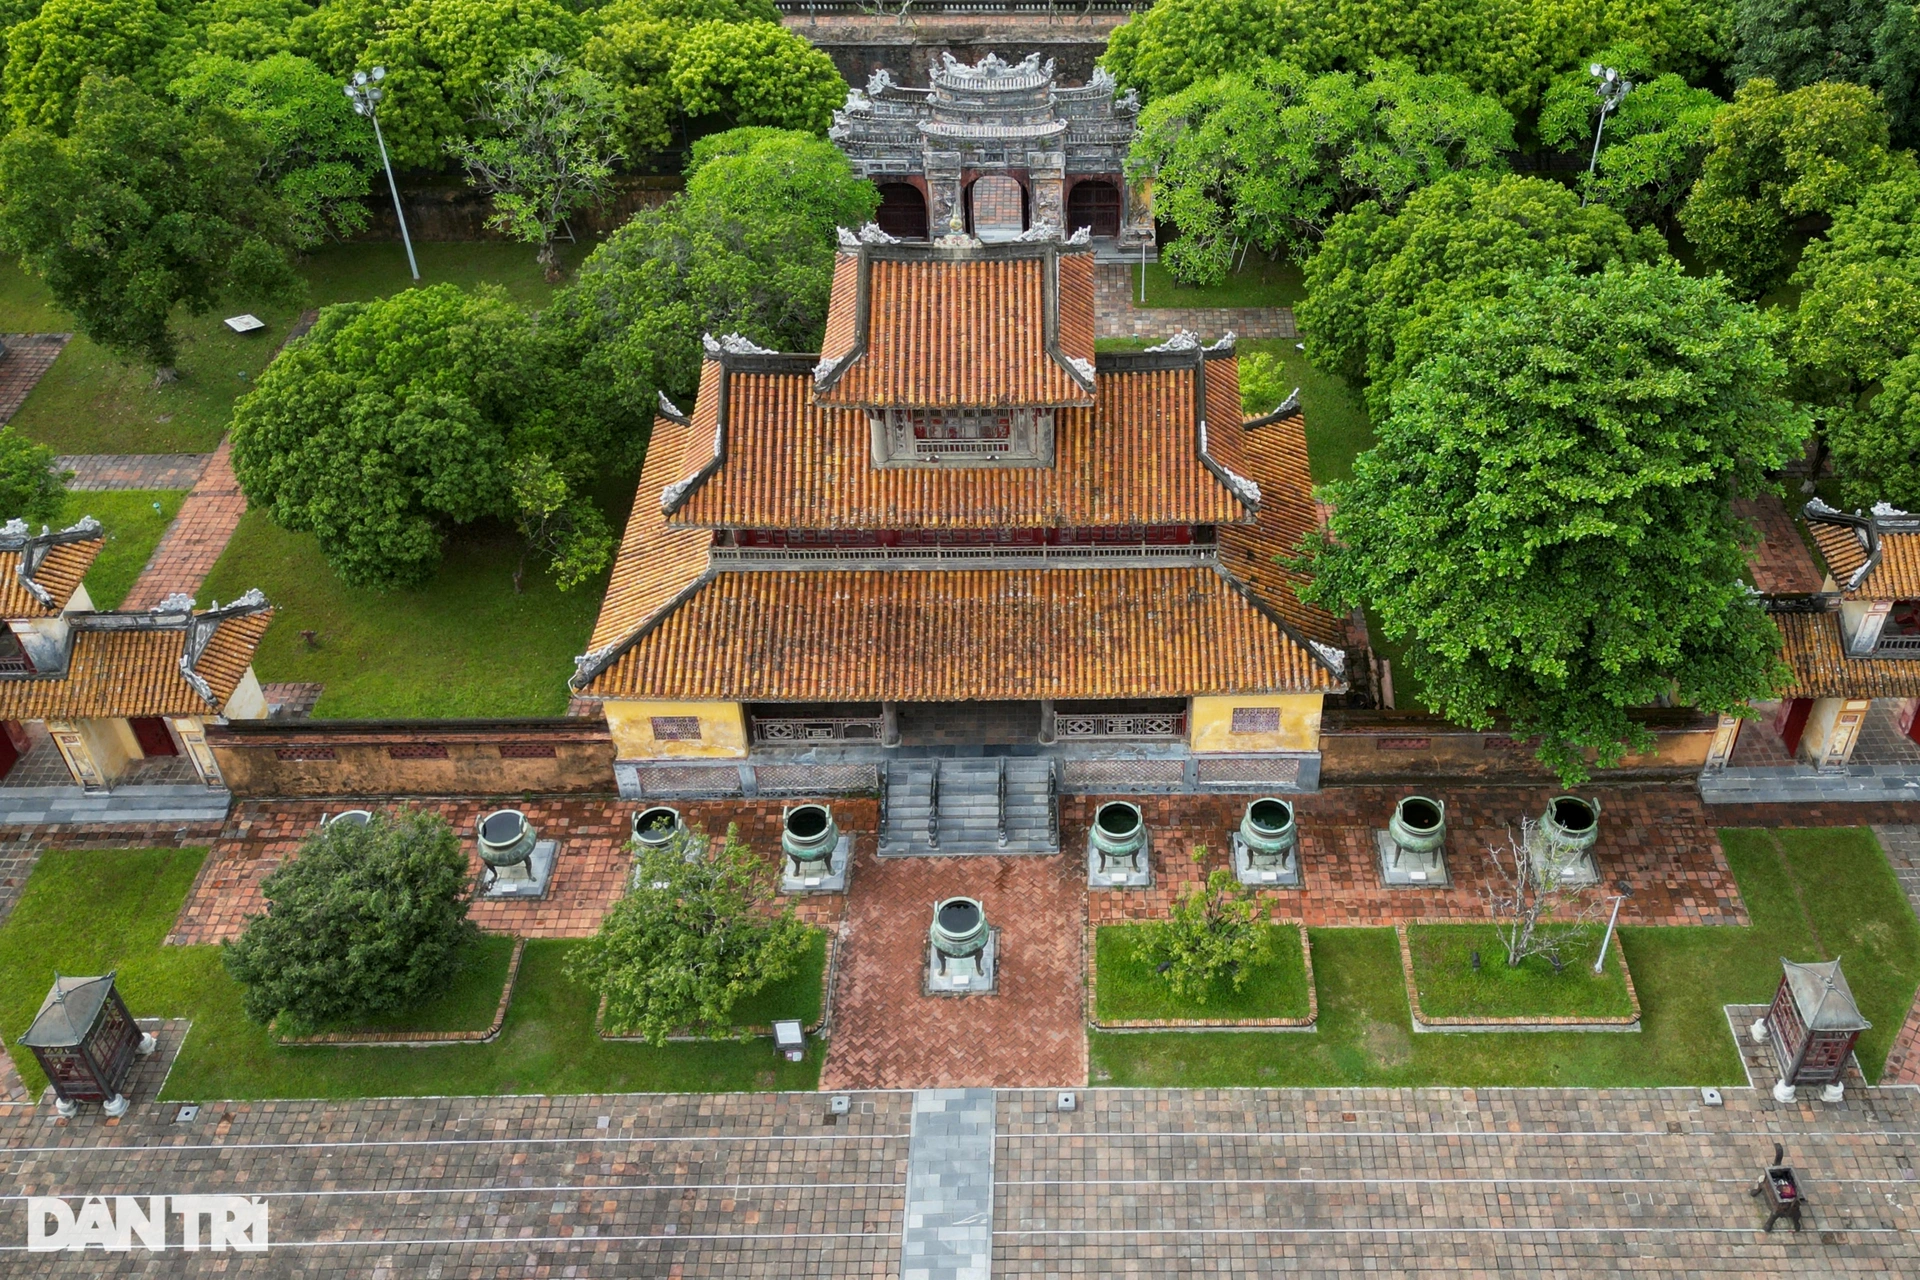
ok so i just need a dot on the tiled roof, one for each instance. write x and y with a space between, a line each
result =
1275 455
910 326
952 635
1816 651
136 672
1872 557
657 561
59 572
791 464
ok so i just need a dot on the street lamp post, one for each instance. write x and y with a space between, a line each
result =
1626 891
365 93
1613 89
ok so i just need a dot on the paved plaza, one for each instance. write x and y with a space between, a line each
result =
1436 1181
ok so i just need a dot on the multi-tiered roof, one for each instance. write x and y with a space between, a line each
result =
787 546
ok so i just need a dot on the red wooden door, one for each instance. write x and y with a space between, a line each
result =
154 737
1791 721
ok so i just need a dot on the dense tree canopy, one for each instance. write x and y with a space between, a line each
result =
1779 157
367 920
1654 142
1269 158
141 209
69 40
393 420
1545 517
1795 43
30 489
1385 288
748 248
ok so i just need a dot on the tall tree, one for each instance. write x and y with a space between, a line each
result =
1778 158
1383 289
141 209
1795 43
68 41
30 488
1176 44
748 247
1545 518
548 150
1269 159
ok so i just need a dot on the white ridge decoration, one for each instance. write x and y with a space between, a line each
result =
734 345
1884 508
1083 236
1039 233
1182 340
1331 656
1226 342
872 234
1082 367
824 371
178 602
848 240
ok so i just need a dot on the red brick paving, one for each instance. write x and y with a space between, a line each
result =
1781 561
1115 316
1659 838
889 1034
194 541
29 356
590 875
97 471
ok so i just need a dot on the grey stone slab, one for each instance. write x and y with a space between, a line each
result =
948 1233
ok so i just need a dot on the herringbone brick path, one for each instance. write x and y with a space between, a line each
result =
887 1033
1115 316
93 472
29 356
590 875
1780 561
194 541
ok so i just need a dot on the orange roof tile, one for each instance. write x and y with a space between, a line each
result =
1815 649
954 635
1275 455
1131 459
59 572
136 672
657 561
975 327
1872 557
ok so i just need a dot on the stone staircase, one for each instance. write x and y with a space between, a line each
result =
998 804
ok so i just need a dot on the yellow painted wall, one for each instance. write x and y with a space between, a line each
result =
249 700
1210 726
723 730
1833 727
112 745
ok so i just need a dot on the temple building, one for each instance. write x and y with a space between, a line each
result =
119 696
959 540
995 149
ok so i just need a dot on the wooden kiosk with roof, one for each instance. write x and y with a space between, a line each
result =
960 551
110 688
1812 1025
86 1041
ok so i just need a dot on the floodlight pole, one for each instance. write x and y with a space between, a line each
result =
365 100
1599 966
1613 88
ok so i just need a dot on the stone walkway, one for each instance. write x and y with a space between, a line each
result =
949 1195
93 472
1115 315
29 356
193 542
1317 1183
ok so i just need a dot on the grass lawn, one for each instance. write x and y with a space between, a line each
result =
1812 894
92 402
1450 988
131 528
1129 987
1261 282
797 997
466 1005
464 645
86 912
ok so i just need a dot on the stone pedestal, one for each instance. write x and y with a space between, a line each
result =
958 977
1402 870
833 879
1264 874
1121 873
528 879
1575 868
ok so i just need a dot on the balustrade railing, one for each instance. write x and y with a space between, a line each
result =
776 731
1171 724
1897 647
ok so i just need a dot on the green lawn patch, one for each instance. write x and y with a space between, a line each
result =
1812 894
1338 429
131 523
1261 282
86 912
1450 987
468 1004
1129 989
463 645
91 401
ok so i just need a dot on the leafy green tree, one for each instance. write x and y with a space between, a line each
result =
1545 518
245 30
1653 145
692 938
365 921
1795 43
548 150
392 421
30 489
139 210
1777 158
747 248
1876 448
1213 931
49 55
1176 44
319 153
441 54
557 524
1269 159
1383 289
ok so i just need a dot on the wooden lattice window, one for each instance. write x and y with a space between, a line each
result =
545 751
305 753
417 751
676 728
